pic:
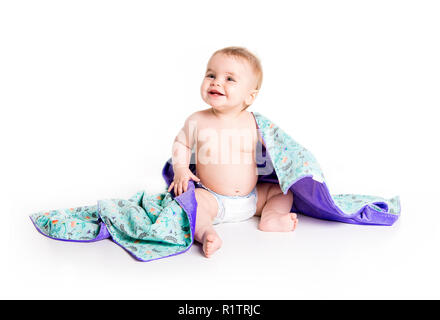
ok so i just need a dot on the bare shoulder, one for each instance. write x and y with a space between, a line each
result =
198 115
191 120
251 119
200 118
254 122
203 114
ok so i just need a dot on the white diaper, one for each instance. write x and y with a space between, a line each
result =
234 208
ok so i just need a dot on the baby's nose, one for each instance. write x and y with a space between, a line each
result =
216 82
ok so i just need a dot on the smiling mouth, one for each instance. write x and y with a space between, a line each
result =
215 93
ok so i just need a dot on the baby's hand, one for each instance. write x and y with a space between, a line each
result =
181 178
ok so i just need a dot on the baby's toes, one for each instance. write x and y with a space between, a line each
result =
208 244
294 218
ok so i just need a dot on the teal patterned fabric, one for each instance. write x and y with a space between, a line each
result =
80 223
290 160
351 203
293 162
148 226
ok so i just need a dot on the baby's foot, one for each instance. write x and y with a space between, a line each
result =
211 243
278 222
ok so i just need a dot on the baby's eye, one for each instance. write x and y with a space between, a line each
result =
230 79
210 76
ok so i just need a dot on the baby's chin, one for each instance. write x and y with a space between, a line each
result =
215 105
219 105
226 109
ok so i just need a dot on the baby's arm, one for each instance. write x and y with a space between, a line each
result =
260 138
182 149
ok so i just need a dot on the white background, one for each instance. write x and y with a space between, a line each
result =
92 94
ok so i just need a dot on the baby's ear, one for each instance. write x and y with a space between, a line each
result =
252 96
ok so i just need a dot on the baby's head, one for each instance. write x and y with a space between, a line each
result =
233 79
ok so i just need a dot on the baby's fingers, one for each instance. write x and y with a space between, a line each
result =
195 178
176 189
171 186
181 187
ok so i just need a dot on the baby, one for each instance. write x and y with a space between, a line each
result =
224 138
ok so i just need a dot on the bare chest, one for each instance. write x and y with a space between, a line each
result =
225 144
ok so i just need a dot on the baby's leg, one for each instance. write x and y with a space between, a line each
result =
206 212
274 208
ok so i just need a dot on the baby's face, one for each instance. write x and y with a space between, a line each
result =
229 83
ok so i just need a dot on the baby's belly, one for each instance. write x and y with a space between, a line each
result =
228 179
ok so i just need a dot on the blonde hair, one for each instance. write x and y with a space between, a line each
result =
244 53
